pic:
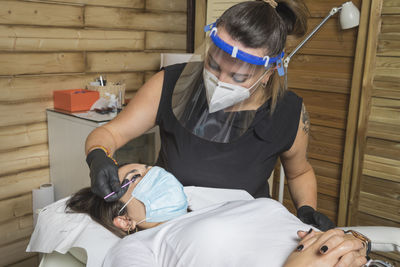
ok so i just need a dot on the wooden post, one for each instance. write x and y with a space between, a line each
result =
352 117
372 42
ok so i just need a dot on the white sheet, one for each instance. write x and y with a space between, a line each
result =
239 233
60 231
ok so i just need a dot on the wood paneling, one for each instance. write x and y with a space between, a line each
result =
328 186
19 228
123 18
326 144
384 131
28 262
383 207
159 40
40 63
325 168
390 24
387 88
326 108
44 14
139 4
22 135
391 7
22 38
321 73
330 40
23 159
376 182
65 44
319 8
23 113
122 61
15 252
381 187
371 220
171 5
385 110
23 182
15 207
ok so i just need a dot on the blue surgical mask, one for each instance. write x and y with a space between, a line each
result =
162 195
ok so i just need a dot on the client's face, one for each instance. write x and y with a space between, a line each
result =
135 209
132 171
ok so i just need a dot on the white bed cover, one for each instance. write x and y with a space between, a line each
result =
60 231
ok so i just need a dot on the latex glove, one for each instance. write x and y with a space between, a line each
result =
104 175
310 216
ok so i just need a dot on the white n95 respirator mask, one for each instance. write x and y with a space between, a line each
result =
221 95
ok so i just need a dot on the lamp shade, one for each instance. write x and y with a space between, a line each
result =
349 16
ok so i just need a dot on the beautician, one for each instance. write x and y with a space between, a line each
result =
223 121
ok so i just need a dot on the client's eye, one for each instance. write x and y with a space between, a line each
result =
130 172
136 176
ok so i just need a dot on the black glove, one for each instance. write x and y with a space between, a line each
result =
104 175
310 216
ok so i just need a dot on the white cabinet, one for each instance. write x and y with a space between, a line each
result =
67 134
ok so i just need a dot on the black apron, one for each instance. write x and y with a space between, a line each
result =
245 163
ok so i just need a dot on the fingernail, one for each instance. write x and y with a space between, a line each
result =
300 248
324 249
309 231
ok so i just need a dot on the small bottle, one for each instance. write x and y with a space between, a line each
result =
113 103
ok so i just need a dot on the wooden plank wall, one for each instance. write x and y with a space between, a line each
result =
321 73
375 197
64 44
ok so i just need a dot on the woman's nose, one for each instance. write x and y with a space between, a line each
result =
223 77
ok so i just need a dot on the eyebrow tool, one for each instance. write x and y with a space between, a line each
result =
128 183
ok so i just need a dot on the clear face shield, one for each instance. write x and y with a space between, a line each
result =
220 89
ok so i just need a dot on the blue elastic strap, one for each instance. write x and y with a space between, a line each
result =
279 66
234 52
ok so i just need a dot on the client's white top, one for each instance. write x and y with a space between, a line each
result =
59 231
258 232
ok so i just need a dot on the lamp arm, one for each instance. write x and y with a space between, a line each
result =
331 13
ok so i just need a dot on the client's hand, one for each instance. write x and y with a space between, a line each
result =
332 248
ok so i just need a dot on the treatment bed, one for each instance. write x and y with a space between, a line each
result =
71 239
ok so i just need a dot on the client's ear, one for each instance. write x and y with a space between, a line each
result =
124 223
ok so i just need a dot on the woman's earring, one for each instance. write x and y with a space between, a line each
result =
264 85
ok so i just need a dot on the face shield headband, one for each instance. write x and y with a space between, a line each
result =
266 61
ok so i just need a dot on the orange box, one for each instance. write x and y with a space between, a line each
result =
75 99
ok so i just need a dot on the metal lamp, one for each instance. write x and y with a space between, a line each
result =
349 18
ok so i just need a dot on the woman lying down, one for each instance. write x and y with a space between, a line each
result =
258 232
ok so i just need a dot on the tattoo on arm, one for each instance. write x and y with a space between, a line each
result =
306 119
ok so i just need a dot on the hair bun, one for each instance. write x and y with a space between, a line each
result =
294 13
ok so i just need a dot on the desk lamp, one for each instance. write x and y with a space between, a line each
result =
349 18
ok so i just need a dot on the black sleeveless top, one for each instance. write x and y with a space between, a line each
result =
245 163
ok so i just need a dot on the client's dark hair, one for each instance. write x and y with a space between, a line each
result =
85 201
